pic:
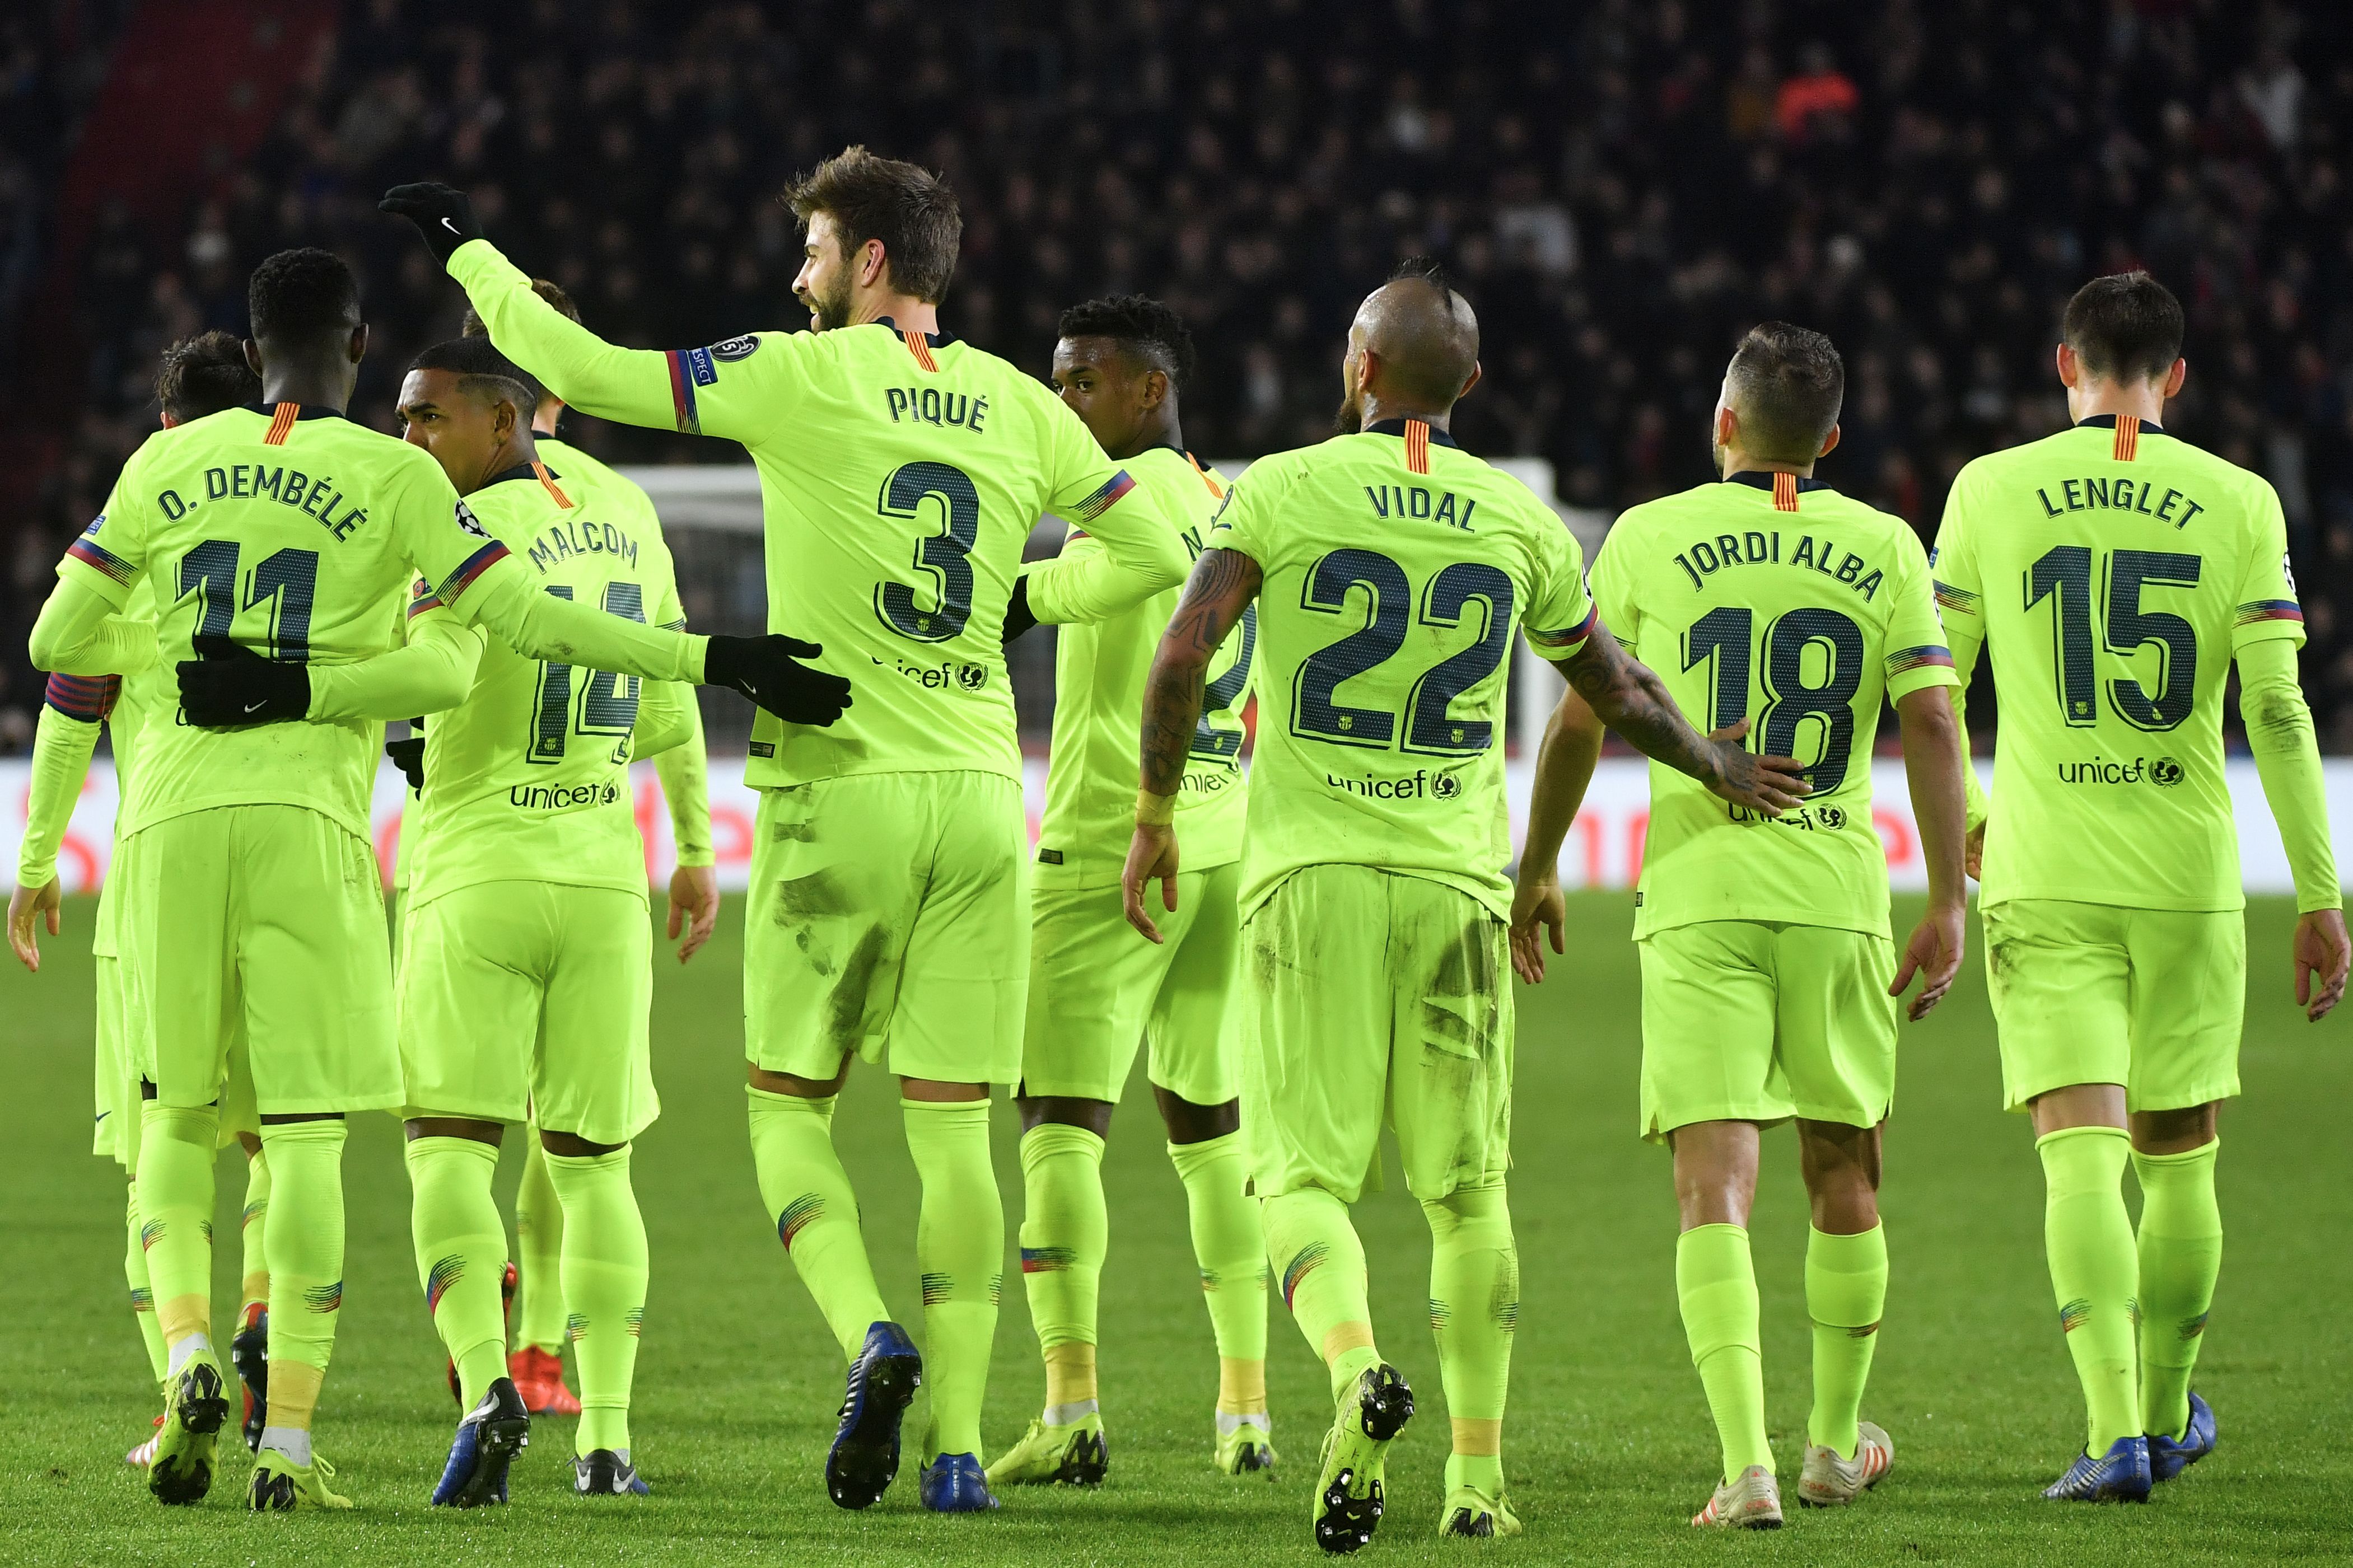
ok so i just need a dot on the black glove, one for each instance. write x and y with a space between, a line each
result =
1018 617
769 671
442 214
231 686
408 755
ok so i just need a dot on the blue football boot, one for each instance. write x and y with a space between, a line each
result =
489 1437
955 1483
2169 1457
2120 1475
884 1378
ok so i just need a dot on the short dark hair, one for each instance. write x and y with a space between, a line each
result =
2126 327
204 374
910 209
481 372
1787 385
1141 325
302 294
471 325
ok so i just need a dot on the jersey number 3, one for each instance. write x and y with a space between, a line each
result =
943 557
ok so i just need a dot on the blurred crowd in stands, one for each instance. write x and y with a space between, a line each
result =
1621 185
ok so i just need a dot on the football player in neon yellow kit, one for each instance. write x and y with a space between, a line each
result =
1768 978
1391 568
200 375
525 982
2116 574
1094 990
901 472
250 887
535 1363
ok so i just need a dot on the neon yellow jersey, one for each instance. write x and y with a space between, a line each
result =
1396 565
900 475
1774 599
528 778
292 532
2113 571
1099 676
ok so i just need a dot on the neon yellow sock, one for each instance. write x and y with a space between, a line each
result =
1716 1285
461 1254
306 1273
176 1145
960 1248
2180 1257
142 1294
816 1214
252 1229
1064 1234
2094 1272
539 1253
1474 1310
1317 1255
1229 1247
604 1274
1846 1291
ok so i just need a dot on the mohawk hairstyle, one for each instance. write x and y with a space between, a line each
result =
471 325
482 372
1428 268
1140 325
1787 385
204 374
2126 327
910 209
297 295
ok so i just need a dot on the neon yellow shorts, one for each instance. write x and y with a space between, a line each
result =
264 921
890 920
1762 1020
1371 997
2152 999
1097 990
115 1134
524 996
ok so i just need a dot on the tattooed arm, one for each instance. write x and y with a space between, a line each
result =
1223 583
1634 702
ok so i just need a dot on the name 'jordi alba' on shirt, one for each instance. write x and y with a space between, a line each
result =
1704 558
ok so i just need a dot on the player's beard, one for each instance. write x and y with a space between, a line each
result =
1349 418
831 311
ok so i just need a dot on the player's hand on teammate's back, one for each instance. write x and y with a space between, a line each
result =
768 670
1151 855
1769 785
693 908
1934 953
2322 954
229 686
407 755
443 213
1018 617
25 906
1537 908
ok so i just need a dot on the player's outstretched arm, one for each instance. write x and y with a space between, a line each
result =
1223 583
2287 759
1131 551
1634 702
78 632
228 685
632 385
1565 762
1935 762
63 741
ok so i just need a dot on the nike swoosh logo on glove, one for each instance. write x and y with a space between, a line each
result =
447 225
256 707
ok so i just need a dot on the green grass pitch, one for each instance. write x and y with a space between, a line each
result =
1609 1446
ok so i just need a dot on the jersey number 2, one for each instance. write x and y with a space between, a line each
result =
1431 726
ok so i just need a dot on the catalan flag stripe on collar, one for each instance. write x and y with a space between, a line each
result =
281 421
920 349
2127 437
1785 492
1417 446
549 480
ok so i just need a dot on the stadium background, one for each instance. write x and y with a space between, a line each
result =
1621 186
